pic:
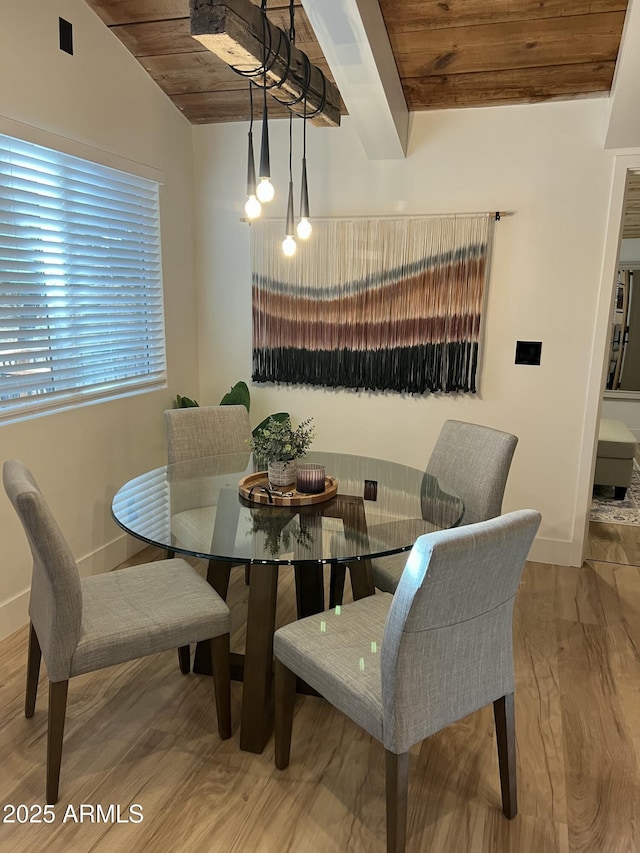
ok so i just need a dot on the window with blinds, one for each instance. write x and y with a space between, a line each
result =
81 313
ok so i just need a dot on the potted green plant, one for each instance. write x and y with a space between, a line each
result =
279 445
237 395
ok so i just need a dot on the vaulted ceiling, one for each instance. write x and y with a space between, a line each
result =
458 53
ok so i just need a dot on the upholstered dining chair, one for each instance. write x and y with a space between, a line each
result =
206 431
199 431
405 666
474 462
80 625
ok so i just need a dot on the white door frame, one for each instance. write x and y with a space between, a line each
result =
600 350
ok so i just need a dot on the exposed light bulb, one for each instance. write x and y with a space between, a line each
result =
289 246
265 190
304 229
252 207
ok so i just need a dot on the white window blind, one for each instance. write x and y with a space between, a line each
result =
81 313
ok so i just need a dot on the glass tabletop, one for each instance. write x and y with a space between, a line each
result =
195 508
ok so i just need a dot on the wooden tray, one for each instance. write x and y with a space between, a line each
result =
251 489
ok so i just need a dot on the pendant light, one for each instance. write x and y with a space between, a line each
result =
289 243
304 226
252 206
265 191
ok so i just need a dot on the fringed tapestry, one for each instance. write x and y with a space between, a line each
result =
379 304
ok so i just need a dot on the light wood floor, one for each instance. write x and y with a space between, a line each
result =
143 733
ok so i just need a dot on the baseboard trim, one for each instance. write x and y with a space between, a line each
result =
107 557
559 552
14 613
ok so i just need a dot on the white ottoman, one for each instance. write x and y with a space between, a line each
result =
616 451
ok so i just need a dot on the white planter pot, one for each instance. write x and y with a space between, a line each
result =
282 473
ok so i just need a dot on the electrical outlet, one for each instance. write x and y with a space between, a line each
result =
66 35
371 490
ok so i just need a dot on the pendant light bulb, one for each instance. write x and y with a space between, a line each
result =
252 207
304 229
265 191
289 244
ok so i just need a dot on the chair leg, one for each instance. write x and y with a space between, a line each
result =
285 696
504 715
221 666
34 656
397 790
184 658
57 711
336 584
247 574
184 652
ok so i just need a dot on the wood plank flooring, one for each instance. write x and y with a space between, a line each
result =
143 733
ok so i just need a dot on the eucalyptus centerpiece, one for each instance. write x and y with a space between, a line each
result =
279 445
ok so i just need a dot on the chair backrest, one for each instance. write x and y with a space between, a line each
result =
206 431
474 461
447 647
55 606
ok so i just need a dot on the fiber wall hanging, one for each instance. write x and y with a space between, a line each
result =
379 304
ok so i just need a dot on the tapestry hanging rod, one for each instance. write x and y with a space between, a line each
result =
497 214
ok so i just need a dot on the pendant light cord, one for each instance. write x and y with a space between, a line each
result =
292 25
304 122
290 145
292 41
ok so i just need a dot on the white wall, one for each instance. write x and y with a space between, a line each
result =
102 98
630 251
545 163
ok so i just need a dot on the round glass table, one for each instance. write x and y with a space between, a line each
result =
195 508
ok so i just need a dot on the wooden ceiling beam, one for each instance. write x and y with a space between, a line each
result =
236 31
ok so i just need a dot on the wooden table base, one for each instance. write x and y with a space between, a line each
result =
255 668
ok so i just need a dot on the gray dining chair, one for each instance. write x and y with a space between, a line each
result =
80 625
206 431
405 666
471 460
199 431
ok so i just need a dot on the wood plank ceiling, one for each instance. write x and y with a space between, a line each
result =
458 53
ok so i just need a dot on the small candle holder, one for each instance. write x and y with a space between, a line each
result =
310 479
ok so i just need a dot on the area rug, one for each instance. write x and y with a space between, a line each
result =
604 507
